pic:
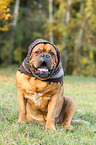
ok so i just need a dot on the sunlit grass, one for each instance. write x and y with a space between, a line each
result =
84 92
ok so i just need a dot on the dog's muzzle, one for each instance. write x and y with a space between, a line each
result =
44 66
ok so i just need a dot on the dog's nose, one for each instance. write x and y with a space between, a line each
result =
45 55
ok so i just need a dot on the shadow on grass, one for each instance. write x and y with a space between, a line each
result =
88 117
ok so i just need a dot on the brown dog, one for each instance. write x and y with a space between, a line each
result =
39 82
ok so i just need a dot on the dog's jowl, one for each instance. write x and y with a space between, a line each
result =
40 89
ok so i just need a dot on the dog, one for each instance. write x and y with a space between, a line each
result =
40 89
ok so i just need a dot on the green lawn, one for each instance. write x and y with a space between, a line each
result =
84 91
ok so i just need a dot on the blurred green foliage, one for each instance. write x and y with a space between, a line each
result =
74 33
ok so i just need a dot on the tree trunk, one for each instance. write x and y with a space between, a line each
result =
78 43
16 11
68 12
66 22
50 20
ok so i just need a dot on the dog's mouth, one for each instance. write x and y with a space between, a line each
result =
43 68
42 71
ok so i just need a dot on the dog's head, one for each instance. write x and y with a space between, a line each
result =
43 60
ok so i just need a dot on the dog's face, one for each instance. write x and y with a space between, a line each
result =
43 60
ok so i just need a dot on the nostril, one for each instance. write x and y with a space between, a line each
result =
47 56
43 55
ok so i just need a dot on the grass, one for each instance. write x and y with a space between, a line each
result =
81 88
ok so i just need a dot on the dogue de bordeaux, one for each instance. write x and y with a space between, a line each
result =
40 89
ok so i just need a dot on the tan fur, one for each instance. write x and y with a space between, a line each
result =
42 102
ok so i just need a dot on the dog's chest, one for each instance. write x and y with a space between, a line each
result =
34 97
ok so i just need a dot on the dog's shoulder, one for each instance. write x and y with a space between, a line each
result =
21 77
22 81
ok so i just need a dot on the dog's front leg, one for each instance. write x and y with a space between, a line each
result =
51 112
22 106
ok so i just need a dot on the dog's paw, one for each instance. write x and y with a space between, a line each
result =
68 126
22 120
50 126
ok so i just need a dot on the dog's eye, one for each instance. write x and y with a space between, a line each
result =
52 53
37 52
